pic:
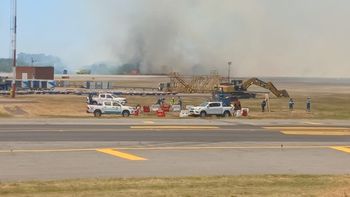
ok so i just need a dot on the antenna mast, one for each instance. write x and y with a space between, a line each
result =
14 40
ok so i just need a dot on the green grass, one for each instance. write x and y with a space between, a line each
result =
264 185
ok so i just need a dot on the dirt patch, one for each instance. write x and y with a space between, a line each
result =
15 110
15 101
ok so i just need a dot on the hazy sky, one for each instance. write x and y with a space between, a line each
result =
260 37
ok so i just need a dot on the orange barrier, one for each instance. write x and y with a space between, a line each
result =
161 113
146 109
244 112
166 107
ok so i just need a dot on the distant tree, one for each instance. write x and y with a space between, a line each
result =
6 64
26 59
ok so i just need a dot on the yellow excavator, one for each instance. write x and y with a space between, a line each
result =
267 85
236 88
239 88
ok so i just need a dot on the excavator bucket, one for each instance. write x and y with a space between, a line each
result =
284 93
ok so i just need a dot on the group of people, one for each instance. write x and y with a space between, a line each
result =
290 104
173 101
237 103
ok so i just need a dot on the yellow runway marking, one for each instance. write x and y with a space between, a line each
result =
307 128
121 154
313 123
148 122
327 131
330 133
342 148
114 150
174 127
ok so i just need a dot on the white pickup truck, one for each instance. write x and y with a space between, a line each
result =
100 98
109 107
211 108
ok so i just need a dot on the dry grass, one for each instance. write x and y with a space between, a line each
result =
328 101
264 185
324 105
332 106
3 113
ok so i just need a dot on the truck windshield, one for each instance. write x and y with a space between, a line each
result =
203 104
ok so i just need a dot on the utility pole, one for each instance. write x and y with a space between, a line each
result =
14 37
229 72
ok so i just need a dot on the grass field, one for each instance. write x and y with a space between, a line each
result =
264 185
324 106
329 101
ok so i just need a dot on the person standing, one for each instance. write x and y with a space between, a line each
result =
180 102
237 104
172 101
263 105
159 101
308 104
291 104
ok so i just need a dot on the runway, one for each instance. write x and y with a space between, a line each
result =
32 151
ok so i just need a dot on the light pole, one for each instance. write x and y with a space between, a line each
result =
14 37
229 72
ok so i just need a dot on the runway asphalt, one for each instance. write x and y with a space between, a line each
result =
46 150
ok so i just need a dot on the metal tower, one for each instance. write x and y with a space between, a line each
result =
14 43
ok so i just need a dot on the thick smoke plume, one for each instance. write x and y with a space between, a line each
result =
260 37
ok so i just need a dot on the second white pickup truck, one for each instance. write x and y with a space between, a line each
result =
212 108
100 98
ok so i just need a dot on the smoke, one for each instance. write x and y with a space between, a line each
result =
259 37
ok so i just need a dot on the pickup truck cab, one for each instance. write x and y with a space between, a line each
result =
211 108
110 107
100 98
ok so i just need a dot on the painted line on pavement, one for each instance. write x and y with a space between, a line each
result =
313 123
117 129
154 128
148 122
167 148
341 148
307 128
123 155
174 127
326 131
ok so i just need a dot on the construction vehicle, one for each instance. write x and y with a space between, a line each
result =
239 89
208 83
268 85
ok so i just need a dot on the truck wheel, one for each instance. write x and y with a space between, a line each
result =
126 113
97 113
94 103
203 114
227 114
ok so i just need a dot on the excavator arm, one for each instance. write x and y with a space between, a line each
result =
268 85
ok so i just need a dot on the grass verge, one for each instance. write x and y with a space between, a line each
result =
264 185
